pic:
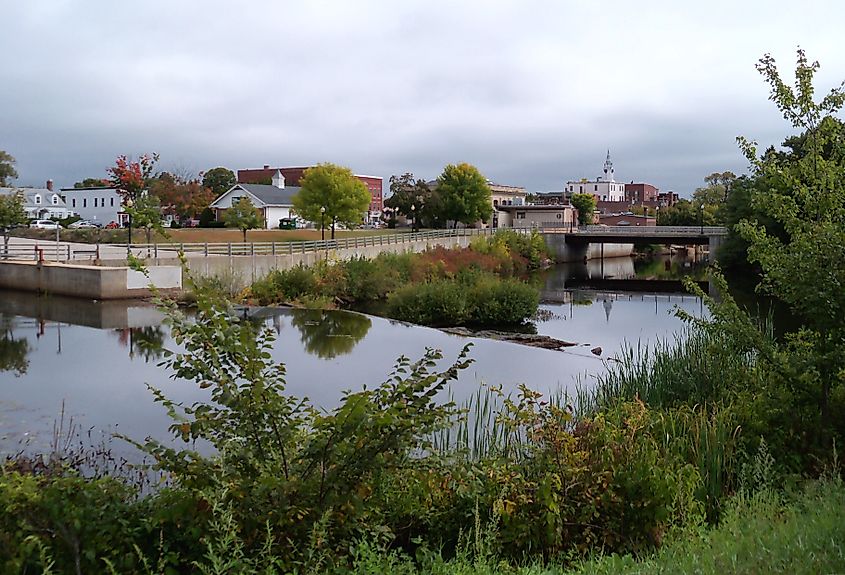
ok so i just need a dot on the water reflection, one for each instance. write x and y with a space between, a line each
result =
328 334
146 342
13 351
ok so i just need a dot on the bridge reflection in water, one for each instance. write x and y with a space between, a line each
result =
660 277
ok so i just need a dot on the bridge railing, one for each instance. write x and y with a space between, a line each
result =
667 231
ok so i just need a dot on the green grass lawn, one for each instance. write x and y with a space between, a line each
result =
759 535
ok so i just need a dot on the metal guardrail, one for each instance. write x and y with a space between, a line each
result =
666 231
294 247
68 252
51 251
48 251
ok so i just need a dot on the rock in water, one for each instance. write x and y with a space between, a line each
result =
596 350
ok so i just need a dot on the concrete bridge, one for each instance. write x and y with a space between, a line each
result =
588 242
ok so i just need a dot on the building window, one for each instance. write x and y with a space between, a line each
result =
84 202
495 203
55 200
111 200
520 215
95 202
102 202
596 188
37 199
73 202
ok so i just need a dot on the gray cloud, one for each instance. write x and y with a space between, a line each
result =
531 92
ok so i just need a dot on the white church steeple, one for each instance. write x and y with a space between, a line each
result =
608 169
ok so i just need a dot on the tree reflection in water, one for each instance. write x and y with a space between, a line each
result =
13 351
330 333
147 342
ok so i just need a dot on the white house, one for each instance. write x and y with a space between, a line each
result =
41 203
101 205
274 202
528 216
604 188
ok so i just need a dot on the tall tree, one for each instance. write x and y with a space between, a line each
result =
218 180
465 193
242 215
804 192
406 191
131 178
586 206
146 214
336 191
7 168
179 198
12 214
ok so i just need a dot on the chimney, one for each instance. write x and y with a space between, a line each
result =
266 166
50 185
279 180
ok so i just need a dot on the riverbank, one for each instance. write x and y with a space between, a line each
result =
478 285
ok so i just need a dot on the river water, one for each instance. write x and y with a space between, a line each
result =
86 364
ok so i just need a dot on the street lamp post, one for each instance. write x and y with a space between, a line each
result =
701 218
129 204
413 217
322 225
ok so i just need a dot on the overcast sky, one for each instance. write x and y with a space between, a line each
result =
533 93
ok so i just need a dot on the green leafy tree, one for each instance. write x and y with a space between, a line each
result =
406 191
465 194
206 217
146 214
12 214
344 197
586 205
242 215
219 180
804 192
7 168
91 183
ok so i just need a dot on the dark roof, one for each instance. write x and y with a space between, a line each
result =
271 195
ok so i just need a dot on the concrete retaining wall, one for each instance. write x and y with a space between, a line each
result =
92 282
241 271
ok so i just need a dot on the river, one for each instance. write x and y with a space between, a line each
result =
85 364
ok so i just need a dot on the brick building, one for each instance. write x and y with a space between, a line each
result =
293 175
641 193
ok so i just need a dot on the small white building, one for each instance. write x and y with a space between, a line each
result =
41 203
275 202
528 216
605 188
101 205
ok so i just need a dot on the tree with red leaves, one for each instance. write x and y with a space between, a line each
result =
131 178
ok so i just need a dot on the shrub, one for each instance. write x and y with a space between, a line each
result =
284 286
437 303
501 302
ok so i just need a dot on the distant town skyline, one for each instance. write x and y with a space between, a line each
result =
532 93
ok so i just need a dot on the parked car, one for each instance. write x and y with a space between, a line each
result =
112 225
83 224
45 225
